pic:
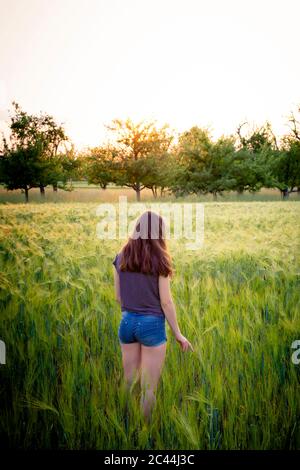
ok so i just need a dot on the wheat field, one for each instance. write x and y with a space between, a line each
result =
237 300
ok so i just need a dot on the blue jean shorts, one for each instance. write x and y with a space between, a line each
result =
147 329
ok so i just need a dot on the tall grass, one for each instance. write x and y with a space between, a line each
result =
237 301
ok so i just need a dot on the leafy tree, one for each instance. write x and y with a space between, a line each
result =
100 165
203 165
258 138
192 153
19 169
287 166
37 132
253 163
218 165
159 170
68 167
135 144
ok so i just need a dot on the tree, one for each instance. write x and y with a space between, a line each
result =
288 168
285 161
253 163
100 165
158 171
192 153
37 132
135 144
252 171
257 138
218 165
19 169
203 165
68 167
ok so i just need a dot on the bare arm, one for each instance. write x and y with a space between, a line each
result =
117 286
169 310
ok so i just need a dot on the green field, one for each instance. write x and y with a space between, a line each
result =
238 302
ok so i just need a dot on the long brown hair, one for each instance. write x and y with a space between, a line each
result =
146 250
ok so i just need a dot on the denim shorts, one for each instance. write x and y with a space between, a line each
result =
147 329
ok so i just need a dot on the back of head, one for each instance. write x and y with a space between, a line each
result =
146 250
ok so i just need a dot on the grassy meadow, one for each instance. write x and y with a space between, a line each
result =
238 302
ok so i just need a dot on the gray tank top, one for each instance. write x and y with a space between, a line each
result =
139 292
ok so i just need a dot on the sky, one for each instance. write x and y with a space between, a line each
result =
211 63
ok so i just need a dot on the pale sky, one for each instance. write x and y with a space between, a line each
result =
212 63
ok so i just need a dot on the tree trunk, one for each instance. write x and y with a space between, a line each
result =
240 191
298 190
54 187
42 190
154 192
286 193
138 192
26 194
215 197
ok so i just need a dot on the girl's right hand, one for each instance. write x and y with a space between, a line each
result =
184 343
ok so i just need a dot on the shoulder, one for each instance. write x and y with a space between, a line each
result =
116 261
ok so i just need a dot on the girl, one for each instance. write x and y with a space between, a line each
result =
142 286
